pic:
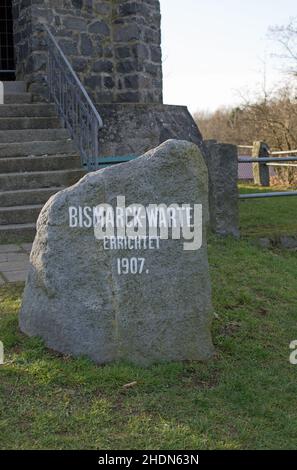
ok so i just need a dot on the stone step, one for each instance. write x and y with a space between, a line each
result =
20 214
14 87
27 110
27 196
17 232
44 163
54 147
33 135
18 123
37 160
39 179
17 98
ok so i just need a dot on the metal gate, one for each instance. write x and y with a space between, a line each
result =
7 65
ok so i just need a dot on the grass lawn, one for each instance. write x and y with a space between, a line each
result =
243 399
271 216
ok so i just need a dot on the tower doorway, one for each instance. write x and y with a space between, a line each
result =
7 63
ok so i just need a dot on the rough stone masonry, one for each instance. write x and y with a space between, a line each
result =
113 45
111 299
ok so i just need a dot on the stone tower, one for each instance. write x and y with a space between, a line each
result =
115 48
113 45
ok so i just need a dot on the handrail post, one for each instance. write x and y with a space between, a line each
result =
261 170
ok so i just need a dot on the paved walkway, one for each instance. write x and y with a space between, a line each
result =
14 262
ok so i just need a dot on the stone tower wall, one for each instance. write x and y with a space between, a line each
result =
113 45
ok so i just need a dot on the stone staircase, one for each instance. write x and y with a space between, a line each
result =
37 159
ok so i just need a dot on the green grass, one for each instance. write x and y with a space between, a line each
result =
243 399
267 217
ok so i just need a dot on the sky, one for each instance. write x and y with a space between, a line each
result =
215 49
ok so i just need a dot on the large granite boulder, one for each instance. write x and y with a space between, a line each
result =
139 299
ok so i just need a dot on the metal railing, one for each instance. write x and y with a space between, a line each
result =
268 194
267 160
270 161
75 106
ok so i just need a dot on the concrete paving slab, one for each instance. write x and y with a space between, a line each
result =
10 248
27 247
16 276
13 257
14 262
8 266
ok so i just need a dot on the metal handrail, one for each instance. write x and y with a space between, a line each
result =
267 160
265 195
74 104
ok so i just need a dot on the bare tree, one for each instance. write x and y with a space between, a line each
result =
286 37
269 115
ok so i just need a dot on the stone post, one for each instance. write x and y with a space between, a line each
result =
222 163
260 170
